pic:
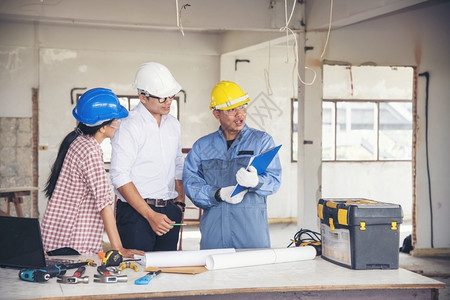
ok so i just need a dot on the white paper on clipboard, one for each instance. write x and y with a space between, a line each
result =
260 162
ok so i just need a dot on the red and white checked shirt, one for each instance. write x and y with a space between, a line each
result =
72 218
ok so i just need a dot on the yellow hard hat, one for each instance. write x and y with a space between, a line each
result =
227 95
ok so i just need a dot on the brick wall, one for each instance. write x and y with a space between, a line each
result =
16 159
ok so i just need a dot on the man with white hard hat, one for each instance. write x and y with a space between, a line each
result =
147 165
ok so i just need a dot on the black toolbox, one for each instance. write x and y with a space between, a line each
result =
360 234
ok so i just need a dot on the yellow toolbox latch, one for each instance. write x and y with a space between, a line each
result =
331 224
362 225
320 211
342 217
393 225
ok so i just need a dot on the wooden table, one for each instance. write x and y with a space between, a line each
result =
311 279
14 195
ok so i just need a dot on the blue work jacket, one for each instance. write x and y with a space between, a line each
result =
210 166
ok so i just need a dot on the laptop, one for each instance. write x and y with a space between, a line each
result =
21 244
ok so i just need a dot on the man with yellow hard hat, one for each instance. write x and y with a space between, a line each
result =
217 162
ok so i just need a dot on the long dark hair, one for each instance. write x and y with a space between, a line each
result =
63 148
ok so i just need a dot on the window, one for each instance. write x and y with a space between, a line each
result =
130 102
367 113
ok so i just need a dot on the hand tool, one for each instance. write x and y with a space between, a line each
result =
110 279
112 258
80 271
103 270
144 280
108 271
61 269
128 264
89 262
42 274
37 275
72 279
75 278
55 270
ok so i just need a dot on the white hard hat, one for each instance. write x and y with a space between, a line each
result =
156 79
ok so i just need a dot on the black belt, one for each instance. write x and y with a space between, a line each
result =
157 202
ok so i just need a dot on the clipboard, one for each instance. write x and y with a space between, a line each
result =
260 162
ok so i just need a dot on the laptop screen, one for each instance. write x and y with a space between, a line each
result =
21 243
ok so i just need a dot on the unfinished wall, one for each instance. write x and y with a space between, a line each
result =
63 57
58 58
16 160
414 38
267 78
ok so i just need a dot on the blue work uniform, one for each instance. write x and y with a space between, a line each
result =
210 165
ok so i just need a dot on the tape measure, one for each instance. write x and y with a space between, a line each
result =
112 258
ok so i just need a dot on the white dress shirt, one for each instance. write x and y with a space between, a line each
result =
147 154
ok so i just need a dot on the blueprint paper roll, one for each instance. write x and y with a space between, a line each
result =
259 257
164 259
295 254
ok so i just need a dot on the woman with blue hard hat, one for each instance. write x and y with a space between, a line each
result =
79 196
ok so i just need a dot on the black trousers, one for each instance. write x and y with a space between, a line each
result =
136 233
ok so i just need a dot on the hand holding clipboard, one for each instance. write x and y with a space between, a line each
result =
260 162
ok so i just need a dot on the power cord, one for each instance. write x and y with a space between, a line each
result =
306 237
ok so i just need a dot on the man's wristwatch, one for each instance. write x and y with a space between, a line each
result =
182 204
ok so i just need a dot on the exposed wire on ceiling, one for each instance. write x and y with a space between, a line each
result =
179 21
267 75
329 29
288 30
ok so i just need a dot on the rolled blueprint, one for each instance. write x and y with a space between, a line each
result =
259 257
164 259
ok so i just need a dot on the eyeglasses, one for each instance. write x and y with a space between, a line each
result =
115 123
161 100
234 111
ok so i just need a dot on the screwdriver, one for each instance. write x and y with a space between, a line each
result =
144 280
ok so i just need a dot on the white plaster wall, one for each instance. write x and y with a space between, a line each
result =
414 38
18 72
380 181
69 57
57 58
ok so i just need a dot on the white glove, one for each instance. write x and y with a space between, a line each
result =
225 194
248 178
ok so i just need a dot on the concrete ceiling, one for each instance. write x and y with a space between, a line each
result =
203 15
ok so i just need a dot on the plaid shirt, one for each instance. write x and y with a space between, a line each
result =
72 218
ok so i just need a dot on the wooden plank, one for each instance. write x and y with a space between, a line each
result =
18 189
431 252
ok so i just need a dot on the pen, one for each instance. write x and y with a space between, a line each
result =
178 224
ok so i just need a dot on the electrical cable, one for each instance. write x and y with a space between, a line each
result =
267 75
312 239
329 28
288 30
427 76
179 21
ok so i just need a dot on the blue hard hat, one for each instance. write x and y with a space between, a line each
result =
97 106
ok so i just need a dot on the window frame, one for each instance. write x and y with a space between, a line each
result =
294 130
377 105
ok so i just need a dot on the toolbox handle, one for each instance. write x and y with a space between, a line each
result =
360 202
